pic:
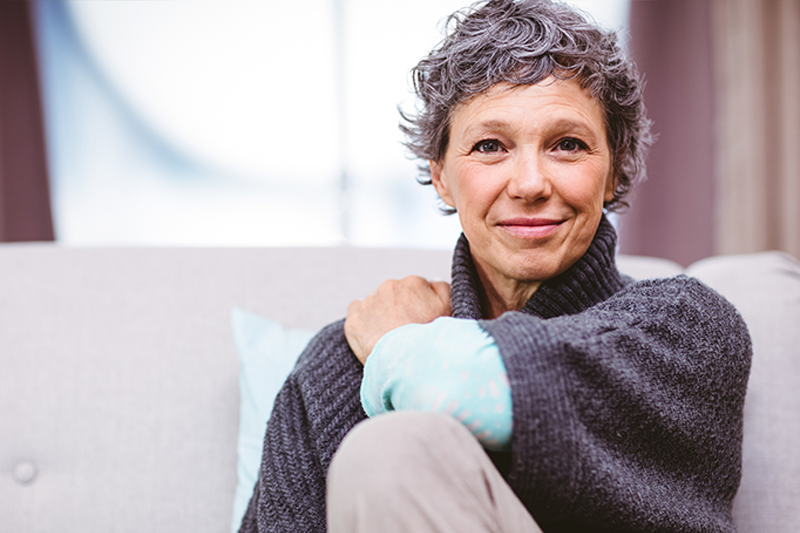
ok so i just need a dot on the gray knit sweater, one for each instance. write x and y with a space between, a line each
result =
627 403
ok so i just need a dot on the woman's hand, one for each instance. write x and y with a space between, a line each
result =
411 300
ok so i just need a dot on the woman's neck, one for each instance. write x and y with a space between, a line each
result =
499 294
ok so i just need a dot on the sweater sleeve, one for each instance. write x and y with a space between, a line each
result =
628 414
317 405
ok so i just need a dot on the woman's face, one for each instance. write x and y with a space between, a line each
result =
528 169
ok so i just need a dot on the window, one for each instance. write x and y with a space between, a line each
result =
254 122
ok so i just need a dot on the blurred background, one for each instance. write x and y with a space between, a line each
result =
255 123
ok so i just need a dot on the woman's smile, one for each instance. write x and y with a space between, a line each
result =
533 229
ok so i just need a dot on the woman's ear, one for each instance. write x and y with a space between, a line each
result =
439 182
611 186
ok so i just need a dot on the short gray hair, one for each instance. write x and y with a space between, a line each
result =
523 42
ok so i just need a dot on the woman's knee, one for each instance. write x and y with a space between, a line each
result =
393 448
402 433
414 471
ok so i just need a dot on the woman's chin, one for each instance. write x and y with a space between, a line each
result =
534 273
522 267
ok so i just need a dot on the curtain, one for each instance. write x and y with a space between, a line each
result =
24 191
672 213
723 89
757 69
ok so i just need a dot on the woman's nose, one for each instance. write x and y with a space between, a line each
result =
529 179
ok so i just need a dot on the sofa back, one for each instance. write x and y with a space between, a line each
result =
119 400
119 380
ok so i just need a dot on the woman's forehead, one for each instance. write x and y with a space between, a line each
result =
507 103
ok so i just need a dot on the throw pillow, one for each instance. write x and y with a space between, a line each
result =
267 353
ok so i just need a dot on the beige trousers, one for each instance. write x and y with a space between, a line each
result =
419 472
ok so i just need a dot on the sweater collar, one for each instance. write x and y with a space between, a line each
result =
592 279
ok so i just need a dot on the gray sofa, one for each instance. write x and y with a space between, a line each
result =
119 379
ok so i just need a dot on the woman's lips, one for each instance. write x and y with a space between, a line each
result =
530 227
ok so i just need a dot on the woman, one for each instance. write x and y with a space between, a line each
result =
604 404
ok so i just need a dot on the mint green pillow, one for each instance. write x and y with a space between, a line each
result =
267 353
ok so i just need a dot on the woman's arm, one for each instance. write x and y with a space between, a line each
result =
416 362
448 366
629 413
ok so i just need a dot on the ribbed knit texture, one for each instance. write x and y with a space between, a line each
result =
627 404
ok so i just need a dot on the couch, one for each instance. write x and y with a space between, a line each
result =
119 379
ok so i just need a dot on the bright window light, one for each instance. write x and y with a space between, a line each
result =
245 123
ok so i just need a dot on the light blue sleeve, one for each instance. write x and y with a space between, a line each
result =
448 366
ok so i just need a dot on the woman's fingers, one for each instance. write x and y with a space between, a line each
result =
411 300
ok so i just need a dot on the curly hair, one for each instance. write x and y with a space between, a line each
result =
522 42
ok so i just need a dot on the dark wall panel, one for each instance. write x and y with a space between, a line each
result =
25 213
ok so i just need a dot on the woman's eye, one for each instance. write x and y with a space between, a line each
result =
571 145
487 146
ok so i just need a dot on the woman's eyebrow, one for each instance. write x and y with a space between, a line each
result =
488 126
571 124
559 124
